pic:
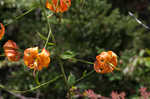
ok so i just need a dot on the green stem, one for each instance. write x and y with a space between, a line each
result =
34 88
20 16
82 4
63 71
3 55
88 74
64 75
50 34
114 66
83 61
83 77
37 78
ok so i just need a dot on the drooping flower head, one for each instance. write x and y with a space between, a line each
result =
35 60
105 62
2 31
58 5
11 50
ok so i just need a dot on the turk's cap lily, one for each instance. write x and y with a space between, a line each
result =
35 60
11 50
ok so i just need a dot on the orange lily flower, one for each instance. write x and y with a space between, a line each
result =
58 5
35 60
10 49
2 31
105 62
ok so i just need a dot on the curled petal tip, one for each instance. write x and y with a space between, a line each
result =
2 31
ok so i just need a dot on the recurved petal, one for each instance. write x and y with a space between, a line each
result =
97 67
64 5
30 54
49 5
53 5
11 50
44 58
58 5
10 45
113 59
13 56
106 70
2 31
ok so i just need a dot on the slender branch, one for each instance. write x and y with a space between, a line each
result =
83 77
21 96
34 88
83 61
48 38
138 21
3 55
50 34
23 14
88 74
63 71
64 75
37 78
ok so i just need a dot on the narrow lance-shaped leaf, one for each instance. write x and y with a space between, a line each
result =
71 79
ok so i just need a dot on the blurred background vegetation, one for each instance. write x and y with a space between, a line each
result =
86 29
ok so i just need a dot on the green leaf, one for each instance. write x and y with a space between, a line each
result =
147 61
141 53
42 36
45 38
67 55
84 73
135 61
51 44
148 51
71 79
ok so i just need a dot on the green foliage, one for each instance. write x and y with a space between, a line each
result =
71 80
86 29
67 55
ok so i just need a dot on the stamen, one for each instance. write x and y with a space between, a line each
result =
112 66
